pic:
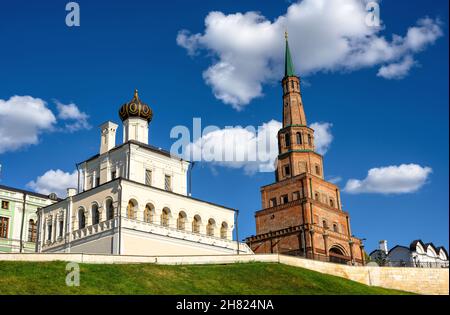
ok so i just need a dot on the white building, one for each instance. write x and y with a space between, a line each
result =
418 254
132 200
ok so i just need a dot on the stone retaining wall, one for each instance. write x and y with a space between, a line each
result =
418 280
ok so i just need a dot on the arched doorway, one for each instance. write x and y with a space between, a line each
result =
81 219
224 230
132 209
149 213
95 214
181 222
109 209
165 217
211 227
196 224
338 255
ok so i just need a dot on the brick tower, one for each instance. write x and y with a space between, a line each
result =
301 212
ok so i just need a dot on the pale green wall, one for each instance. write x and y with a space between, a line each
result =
10 213
15 220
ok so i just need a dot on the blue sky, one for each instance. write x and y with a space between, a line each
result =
123 45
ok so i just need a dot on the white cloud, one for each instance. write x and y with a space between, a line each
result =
22 120
238 147
396 70
322 136
72 113
405 178
325 35
54 181
334 179
247 148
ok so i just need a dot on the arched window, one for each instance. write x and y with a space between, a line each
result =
287 139
299 138
317 196
292 84
81 219
149 213
196 224
165 217
335 228
181 222
331 203
324 224
131 209
61 228
309 139
109 209
210 227
31 231
224 230
49 231
318 170
95 214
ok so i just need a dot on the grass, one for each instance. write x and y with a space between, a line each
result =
248 278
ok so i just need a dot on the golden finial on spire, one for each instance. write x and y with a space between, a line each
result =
136 93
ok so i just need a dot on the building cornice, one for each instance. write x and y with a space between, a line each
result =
27 192
140 144
177 194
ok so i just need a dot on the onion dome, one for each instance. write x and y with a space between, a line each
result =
135 108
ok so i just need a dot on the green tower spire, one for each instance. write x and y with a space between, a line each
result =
288 65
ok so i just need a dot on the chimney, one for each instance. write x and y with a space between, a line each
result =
383 246
108 136
71 192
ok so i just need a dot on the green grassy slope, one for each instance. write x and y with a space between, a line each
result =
249 278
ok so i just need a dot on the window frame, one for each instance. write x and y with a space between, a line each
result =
148 178
49 231
287 139
299 139
5 202
32 231
168 187
318 170
335 228
287 170
4 227
61 228
273 202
